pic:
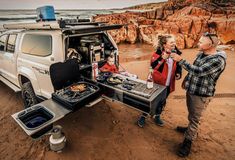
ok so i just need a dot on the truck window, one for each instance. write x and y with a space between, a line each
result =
11 43
38 45
2 42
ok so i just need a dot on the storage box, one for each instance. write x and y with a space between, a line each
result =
45 13
139 97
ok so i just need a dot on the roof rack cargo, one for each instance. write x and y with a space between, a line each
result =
45 13
74 22
46 21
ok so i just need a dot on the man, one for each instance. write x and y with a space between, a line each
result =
199 84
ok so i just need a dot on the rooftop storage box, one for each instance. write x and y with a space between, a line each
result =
45 13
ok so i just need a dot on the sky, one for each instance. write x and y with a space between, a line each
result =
72 4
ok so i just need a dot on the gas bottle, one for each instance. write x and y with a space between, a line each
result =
57 139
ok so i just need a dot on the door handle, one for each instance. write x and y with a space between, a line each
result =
52 59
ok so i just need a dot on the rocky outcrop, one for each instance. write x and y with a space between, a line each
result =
187 21
147 6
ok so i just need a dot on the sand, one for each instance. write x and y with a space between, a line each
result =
108 130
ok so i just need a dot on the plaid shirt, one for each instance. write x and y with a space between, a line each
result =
203 74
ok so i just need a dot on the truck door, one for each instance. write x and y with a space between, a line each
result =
3 39
8 59
37 54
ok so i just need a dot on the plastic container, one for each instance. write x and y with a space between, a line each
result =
34 118
45 13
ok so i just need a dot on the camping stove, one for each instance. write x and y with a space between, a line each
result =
76 95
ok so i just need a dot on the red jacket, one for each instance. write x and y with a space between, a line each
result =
110 68
160 71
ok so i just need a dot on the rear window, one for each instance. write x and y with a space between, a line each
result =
11 43
2 42
38 45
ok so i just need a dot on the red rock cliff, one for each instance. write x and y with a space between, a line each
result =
186 19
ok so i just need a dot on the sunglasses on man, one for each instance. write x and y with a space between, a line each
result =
207 34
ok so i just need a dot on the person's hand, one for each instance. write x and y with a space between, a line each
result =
167 50
176 57
165 55
177 76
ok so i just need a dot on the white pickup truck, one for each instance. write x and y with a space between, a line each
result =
28 50
53 61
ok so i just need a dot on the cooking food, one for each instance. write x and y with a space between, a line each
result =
77 95
78 88
114 80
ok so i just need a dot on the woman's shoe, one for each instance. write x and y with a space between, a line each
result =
158 121
141 121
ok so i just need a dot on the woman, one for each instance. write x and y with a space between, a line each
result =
165 71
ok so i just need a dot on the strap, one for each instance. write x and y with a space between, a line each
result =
157 63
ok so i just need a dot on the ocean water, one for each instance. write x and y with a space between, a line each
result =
26 16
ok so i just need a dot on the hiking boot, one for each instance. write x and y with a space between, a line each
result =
181 129
185 148
141 121
158 121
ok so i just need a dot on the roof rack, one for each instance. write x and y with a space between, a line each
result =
2 30
38 25
48 25
79 30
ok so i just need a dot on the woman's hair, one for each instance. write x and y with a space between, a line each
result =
161 40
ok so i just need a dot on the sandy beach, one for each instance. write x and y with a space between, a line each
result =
108 130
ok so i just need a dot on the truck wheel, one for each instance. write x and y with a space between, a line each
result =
28 95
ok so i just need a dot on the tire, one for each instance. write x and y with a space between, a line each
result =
28 95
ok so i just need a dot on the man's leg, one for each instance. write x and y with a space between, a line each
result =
196 106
